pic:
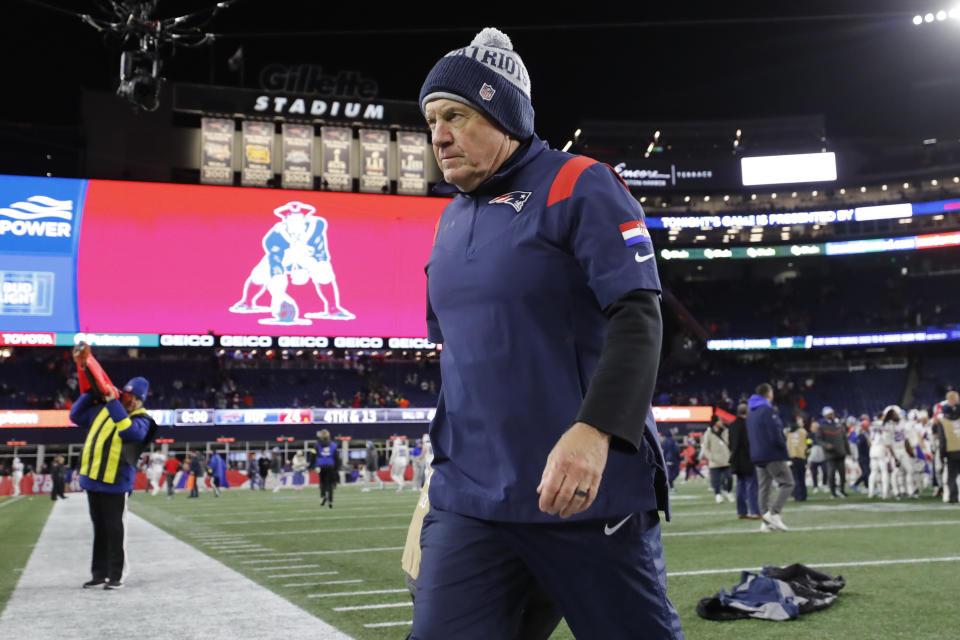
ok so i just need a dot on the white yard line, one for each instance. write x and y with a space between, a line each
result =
292 566
269 512
270 521
272 560
337 530
377 625
830 527
323 584
301 575
390 605
823 565
231 604
356 593
7 503
867 507
327 553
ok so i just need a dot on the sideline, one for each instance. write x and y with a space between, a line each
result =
167 578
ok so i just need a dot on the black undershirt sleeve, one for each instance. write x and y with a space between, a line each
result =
620 392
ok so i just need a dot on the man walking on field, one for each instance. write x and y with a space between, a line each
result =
768 451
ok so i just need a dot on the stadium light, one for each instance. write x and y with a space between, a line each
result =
726 198
706 198
941 15
686 198
793 195
883 188
656 135
843 192
906 185
955 13
929 17
815 193
917 20
773 195
863 189
567 146
643 199
576 134
753 196
934 182
956 179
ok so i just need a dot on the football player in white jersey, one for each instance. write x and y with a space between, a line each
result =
17 475
155 472
399 461
901 451
880 440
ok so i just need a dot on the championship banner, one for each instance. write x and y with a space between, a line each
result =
335 158
297 156
374 149
216 151
257 153
411 150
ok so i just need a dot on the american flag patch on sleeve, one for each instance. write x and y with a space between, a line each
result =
634 232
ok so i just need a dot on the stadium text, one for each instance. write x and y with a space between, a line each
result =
304 106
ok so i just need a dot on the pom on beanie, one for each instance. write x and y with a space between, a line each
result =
489 76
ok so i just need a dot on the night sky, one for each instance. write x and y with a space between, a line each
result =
863 65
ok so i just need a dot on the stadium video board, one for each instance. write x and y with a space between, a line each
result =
137 260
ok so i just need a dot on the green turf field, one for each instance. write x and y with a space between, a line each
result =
286 542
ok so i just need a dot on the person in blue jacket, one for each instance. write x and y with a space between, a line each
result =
107 471
326 463
671 456
542 287
217 469
768 451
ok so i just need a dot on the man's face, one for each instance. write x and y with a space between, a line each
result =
129 401
468 147
953 398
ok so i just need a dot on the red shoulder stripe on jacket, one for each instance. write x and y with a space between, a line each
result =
566 178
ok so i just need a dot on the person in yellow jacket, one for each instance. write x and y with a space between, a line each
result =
797 445
115 426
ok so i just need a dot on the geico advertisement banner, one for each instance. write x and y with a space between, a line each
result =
175 259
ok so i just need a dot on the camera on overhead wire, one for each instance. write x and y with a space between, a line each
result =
140 79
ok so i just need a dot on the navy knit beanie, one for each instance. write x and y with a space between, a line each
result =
489 76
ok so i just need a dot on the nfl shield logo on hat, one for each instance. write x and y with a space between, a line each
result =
486 92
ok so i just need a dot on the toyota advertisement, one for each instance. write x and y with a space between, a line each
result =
142 258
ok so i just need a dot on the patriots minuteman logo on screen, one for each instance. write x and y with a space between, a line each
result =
295 252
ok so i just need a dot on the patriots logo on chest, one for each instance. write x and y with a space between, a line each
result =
515 199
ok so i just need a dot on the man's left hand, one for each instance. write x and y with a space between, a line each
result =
576 463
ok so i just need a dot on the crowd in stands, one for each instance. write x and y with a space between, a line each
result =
45 379
899 294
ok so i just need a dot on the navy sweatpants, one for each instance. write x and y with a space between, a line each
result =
608 578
